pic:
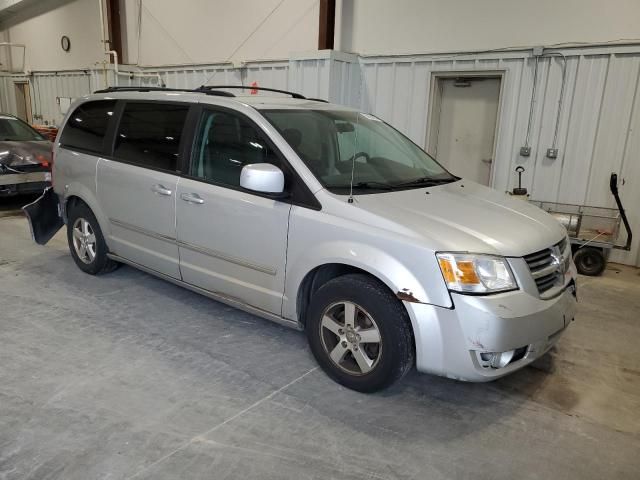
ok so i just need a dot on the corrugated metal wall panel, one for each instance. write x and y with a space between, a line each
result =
620 88
46 88
594 130
311 77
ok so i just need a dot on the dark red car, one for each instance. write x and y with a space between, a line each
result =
25 158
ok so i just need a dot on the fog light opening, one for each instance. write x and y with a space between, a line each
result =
497 359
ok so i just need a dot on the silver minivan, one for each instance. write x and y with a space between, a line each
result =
316 216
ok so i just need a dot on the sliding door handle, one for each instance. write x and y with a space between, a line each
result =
161 190
192 198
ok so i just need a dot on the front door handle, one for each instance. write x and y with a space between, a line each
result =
192 198
161 190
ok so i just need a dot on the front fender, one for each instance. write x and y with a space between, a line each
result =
393 272
406 265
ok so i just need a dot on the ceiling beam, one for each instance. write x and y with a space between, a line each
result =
326 26
114 27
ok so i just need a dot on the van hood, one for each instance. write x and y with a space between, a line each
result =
465 216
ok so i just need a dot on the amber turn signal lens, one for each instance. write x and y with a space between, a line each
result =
458 272
447 270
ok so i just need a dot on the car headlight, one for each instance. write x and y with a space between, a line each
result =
473 273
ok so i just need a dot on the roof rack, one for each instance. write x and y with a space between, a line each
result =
208 88
218 93
216 90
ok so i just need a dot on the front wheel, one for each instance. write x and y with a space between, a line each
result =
360 333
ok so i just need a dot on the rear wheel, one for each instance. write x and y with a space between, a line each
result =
590 261
86 241
360 333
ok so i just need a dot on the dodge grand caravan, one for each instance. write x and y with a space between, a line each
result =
315 216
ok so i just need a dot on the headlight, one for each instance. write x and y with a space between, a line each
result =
471 273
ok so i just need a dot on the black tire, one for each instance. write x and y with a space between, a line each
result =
100 263
590 261
394 355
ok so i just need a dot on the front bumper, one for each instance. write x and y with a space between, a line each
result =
450 342
28 182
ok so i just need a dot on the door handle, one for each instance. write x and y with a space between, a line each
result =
160 190
488 161
192 198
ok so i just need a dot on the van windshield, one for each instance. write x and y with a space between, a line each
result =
333 143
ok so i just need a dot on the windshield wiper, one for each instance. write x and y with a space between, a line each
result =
425 181
374 185
371 185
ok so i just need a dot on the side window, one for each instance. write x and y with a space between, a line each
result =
87 126
225 143
149 134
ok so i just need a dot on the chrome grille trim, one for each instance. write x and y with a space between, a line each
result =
547 266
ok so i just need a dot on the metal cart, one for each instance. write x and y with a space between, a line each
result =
593 231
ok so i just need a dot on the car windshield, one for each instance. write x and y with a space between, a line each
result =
333 143
14 130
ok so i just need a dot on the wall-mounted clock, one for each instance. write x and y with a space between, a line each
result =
65 43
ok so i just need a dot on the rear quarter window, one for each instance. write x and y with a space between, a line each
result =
149 134
87 125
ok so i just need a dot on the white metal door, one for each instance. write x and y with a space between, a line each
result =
466 126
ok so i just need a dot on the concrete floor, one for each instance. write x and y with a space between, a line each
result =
126 376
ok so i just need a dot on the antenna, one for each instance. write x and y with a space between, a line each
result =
353 159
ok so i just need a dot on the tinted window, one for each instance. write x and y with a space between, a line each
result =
87 125
225 143
149 134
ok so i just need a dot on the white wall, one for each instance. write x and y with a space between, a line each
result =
172 32
42 26
207 31
415 26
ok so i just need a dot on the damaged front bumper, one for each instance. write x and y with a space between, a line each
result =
486 337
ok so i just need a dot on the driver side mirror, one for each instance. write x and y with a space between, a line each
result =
262 177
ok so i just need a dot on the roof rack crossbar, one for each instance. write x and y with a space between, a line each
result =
207 88
164 89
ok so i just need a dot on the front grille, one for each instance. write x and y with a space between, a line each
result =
548 266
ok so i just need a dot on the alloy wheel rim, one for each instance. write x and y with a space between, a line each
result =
351 338
84 240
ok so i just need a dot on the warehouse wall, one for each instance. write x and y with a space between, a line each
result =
195 31
202 31
205 31
599 130
382 26
42 25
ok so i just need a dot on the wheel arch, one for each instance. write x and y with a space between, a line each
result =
80 194
316 278
321 274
